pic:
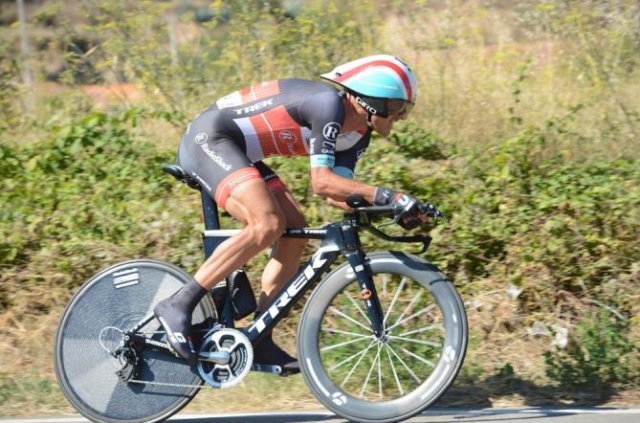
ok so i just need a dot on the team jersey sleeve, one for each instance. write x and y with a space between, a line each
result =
325 114
346 160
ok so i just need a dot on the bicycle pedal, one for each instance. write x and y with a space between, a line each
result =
273 369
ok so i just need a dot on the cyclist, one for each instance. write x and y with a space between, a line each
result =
223 148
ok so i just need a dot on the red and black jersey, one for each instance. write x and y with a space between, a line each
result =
289 117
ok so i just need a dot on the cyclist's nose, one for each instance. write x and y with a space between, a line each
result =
398 117
401 116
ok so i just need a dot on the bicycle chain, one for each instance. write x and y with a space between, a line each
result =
177 385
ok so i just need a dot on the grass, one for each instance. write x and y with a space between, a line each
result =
491 375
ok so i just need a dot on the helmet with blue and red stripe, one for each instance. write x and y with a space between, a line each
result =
384 85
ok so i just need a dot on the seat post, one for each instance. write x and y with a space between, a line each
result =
211 222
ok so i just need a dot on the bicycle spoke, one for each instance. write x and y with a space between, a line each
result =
379 372
395 298
348 359
413 302
349 318
344 332
346 379
395 373
404 364
416 341
417 357
410 306
424 329
413 316
373 365
342 344
358 307
385 282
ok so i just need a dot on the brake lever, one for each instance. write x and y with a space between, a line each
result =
426 242
424 239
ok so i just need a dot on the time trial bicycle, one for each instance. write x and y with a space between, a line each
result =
380 339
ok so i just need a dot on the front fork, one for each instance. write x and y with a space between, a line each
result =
368 293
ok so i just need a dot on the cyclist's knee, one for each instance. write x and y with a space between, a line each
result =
267 229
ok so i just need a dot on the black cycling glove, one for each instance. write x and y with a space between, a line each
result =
406 209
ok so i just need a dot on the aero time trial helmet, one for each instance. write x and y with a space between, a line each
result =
383 84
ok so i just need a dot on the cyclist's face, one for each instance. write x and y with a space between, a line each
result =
383 126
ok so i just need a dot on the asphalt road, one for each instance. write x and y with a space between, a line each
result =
485 415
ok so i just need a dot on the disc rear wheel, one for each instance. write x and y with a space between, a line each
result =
92 328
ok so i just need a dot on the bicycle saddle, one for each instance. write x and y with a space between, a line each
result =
182 176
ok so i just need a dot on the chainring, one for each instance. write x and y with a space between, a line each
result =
238 346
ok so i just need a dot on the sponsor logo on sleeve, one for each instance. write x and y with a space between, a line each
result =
328 147
331 130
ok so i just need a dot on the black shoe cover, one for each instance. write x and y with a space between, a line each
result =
266 352
174 314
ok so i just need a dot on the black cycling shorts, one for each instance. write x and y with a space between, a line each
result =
212 156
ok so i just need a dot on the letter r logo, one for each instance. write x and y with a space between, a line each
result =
331 130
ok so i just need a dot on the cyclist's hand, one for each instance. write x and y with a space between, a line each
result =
428 210
406 210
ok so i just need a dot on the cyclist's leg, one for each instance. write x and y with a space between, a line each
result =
234 252
282 265
252 204
226 173
285 256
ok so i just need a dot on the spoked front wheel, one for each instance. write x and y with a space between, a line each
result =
152 384
367 378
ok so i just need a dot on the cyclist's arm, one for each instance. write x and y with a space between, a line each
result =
336 188
335 183
331 171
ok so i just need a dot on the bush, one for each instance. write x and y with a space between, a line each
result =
600 354
89 192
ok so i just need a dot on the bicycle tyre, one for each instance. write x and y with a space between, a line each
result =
332 335
114 300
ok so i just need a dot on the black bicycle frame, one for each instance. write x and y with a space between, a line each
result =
338 239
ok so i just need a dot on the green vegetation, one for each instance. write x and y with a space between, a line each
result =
601 355
525 133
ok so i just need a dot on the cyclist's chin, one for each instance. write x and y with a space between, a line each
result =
382 126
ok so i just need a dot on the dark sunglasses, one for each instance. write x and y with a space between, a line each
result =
398 107
384 108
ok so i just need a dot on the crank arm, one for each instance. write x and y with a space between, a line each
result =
217 357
